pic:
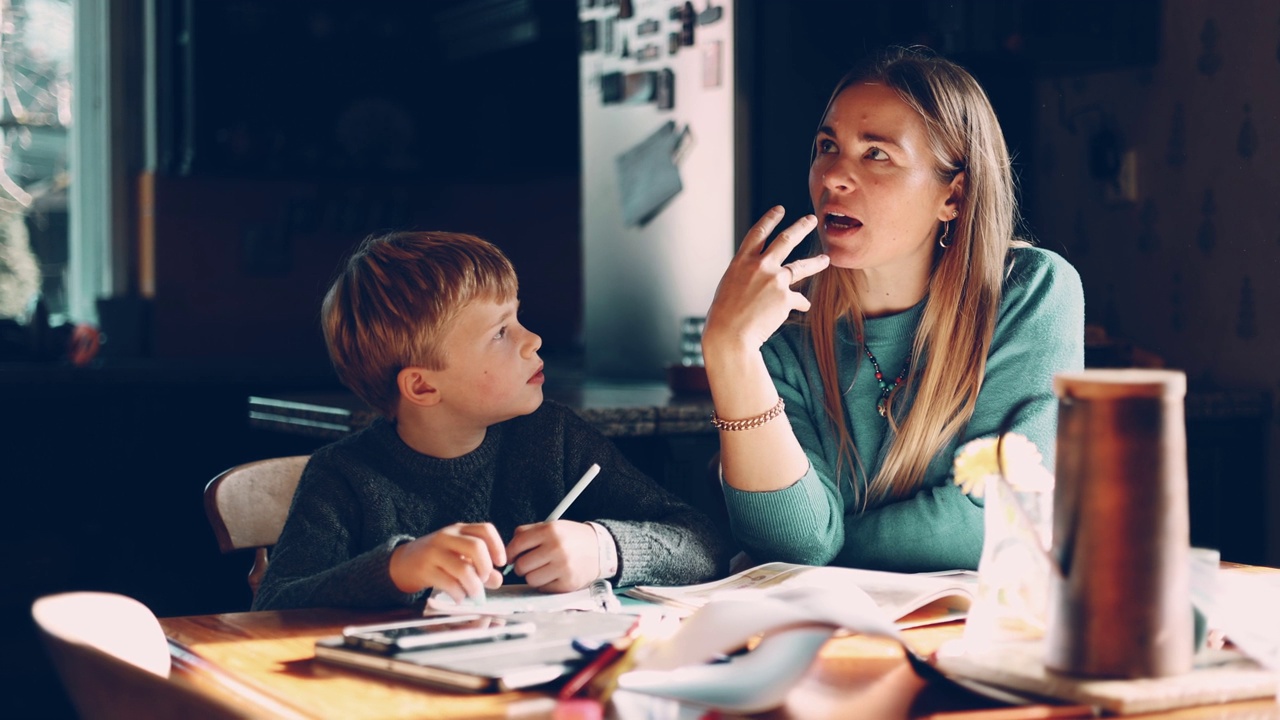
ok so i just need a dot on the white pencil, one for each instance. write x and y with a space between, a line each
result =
573 494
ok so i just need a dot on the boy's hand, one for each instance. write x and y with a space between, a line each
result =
458 559
556 556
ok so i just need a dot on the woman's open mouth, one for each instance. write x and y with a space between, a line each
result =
840 221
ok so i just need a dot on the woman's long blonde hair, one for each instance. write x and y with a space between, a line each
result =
950 350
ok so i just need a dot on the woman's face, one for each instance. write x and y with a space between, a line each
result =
873 183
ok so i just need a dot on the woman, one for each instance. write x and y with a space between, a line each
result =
924 321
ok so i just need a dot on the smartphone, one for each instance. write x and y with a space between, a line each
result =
431 632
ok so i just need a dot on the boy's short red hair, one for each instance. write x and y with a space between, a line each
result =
394 299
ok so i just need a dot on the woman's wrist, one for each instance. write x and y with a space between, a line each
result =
721 348
732 363
750 423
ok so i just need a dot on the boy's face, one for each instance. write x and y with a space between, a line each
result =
492 369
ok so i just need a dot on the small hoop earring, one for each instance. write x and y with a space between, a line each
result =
946 229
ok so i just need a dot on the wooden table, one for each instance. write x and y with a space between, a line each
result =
262 662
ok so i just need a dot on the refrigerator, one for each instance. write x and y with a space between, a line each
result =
658 175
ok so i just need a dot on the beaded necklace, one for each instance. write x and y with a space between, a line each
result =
886 387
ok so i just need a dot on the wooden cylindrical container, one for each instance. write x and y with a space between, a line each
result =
1121 607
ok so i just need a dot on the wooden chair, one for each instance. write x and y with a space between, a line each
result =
247 506
113 659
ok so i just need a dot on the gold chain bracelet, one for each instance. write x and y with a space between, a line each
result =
753 422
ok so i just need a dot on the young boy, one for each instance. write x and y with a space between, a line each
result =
457 477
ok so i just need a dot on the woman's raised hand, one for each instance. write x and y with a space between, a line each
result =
754 296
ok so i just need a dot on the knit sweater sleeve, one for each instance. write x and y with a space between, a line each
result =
804 522
661 539
1039 333
317 562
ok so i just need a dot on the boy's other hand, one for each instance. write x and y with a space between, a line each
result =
556 556
458 559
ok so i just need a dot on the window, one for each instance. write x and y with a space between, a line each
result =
35 118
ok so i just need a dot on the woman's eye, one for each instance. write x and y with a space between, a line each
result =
876 153
825 146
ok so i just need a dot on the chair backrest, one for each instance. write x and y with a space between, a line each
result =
113 659
247 506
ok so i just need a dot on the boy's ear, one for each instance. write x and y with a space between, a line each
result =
416 386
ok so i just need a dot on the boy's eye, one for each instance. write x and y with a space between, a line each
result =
876 153
502 332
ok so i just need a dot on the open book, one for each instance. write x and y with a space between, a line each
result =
770 637
910 600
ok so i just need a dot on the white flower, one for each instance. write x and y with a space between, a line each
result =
1024 470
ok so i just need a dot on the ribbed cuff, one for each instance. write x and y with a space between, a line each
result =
607 551
785 522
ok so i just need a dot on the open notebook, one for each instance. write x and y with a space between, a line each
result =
908 599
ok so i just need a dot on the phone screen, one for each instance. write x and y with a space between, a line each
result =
434 632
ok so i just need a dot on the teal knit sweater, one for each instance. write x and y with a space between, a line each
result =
819 521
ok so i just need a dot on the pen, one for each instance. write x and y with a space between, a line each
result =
574 492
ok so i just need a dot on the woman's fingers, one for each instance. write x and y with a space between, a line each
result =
753 250
754 241
755 296
806 267
788 239
782 245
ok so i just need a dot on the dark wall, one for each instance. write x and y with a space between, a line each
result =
241 265
289 130
381 90
796 52
103 471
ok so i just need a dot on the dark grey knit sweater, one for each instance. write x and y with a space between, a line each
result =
363 495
